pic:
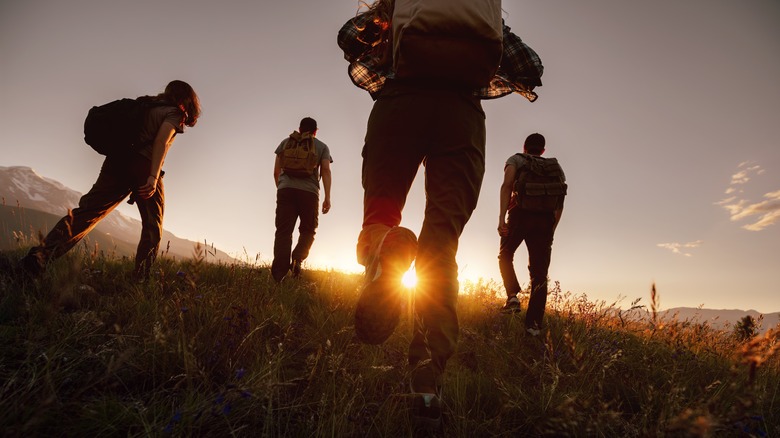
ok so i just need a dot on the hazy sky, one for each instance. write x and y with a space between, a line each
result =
665 116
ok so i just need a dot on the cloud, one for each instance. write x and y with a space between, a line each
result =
768 211
678 248
744 175
763 222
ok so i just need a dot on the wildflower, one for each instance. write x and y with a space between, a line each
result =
175 419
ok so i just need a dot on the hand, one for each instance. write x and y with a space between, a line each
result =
503 229
147 190
326 206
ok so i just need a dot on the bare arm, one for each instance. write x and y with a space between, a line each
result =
504 196
326 180
277 170
162 142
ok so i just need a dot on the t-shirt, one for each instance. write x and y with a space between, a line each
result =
309 183
154 119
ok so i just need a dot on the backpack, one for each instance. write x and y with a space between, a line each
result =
115 127
454 41
540 185
299 155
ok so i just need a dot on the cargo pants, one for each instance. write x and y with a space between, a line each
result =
118 177
444 131
291 205
536 229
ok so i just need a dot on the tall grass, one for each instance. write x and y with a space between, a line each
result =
221 350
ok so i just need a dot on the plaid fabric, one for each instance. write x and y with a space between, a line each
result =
370 66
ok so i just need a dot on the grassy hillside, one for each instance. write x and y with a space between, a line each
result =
24 227
221 350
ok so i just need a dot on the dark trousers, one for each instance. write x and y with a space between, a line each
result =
537 230
119 176
292 204
444 131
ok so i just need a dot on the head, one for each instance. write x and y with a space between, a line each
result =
534 144
308 125
381 43
383 10
183 95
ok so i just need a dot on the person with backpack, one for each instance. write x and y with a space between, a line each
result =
532 193
135 136
427 64
301 160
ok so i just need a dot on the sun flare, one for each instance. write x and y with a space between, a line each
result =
410 278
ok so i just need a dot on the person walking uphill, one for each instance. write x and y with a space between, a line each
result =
301 159
427 89
131 171
532 192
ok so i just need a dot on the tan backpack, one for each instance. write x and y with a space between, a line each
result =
299 155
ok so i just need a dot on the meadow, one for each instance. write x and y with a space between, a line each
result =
205 349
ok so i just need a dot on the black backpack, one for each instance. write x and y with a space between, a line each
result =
115 128
540 184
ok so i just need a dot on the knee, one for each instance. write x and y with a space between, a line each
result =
152 233
506 257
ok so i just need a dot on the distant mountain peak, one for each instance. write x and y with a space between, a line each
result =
22 186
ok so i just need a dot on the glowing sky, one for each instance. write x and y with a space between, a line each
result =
665 116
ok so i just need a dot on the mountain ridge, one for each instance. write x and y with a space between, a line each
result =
25 188
724 319
34 192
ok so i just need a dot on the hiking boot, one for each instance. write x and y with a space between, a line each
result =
426 398
426 412
32 265
296 268
512 305
532 332
378 309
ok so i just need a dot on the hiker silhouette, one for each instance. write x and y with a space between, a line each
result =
533 214
301 159
426 111
127 172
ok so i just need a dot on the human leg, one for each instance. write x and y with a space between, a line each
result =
151 211
391 158
539 243
507 247
286 216
454 168
308 212
111 187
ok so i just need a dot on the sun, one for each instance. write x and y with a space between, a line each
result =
410 278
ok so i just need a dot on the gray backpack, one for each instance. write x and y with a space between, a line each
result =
453 41
540 185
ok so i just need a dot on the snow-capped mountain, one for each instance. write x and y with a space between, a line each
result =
22 186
